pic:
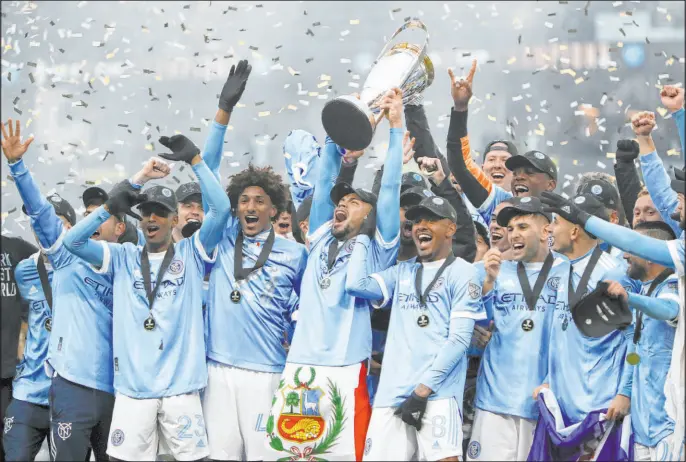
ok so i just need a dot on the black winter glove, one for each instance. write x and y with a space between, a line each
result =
234 86
412 410
190 228
627 151
181 147
125 185
123 200
565 208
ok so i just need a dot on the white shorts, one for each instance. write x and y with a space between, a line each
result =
500 437
140 425
319 412
236 405
389 438
666 449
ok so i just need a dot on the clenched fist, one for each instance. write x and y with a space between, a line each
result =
672 97
643 123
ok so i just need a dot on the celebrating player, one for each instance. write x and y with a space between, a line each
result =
520 296
417 409
159 350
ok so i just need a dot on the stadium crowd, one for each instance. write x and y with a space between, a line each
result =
464 312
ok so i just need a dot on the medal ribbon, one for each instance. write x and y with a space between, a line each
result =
581 289
240 273
44 281
418 279
145 269
334 250
529 296
639 314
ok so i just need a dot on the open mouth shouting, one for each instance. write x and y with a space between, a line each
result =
520 189
340 215
496 236
406 229
251 219
423 239
498 176
284 226
151 230
193 220
96 234
518 248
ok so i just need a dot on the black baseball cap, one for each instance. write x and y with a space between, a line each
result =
414 196
94 193
591 205
535 159
434 205
603 190
521 206
482 231
412 180
343 189
679 179
597 314
62 208
511 148
187 190
160 195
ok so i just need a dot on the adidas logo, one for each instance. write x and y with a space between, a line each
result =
33 290
436 445
201 444
416 415
567 209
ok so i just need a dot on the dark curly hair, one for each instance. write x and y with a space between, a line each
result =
264 177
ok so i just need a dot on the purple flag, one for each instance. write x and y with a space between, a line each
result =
593 439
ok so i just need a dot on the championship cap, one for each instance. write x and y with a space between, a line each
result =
160 195
186 190
521 206
603 190
535 159
94 193
343 189
434 205
597 314
62 207
412 180
413 196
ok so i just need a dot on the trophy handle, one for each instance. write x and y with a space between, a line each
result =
411 24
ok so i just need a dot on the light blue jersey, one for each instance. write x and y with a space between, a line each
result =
417 335
496 196
170 359
587 373
333 327
31 382
81 338
250 334
515 361
649 419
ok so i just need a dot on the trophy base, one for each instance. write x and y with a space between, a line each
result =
349 122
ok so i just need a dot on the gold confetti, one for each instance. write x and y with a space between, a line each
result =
148 147
512 60
491 118
579 80
568 71
611 155
292 107
662 111
673 152
528 108
354 22
263 113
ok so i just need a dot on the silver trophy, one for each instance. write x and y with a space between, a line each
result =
351 122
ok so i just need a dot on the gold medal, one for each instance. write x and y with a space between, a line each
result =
633 359
149 323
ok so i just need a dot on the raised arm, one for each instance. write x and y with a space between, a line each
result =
418 126
218 205
329 167
673 99
358 282
387 216
628 182
44 220
654 174
78 241
301 153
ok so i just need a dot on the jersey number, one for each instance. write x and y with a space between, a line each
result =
186 421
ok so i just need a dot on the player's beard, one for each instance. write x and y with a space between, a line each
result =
636 271
346 231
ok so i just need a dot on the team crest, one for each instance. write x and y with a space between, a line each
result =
350 245
565 324
439 283
176 267
474 291
117 437
474 450
554 283
300 420
64 430
8 423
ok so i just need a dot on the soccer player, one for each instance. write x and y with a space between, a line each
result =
417 409
80 352
28 415
520 296
669 254
655 312
323 397
159 349
576 360
252 286
644 209
190 212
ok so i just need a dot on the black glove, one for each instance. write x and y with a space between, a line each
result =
627 151
380 319
369 224
181 147
190 228
412 410
122 201
563 207
125 185
234 86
